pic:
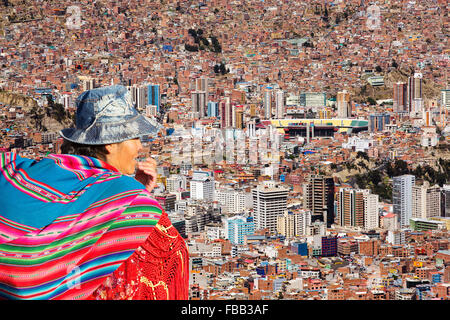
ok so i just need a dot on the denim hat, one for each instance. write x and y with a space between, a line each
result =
106 115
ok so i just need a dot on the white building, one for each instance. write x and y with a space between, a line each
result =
344 108
214 232
269 201
211 250
151 110
426 201
233 201
267 103
429 136
293 224
402 198
279 104
396 237
176 182
356 144
202 186
371 217
271 252
317 228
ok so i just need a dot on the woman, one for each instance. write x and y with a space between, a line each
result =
77 225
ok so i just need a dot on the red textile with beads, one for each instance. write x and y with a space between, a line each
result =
158 270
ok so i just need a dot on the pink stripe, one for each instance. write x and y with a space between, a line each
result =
59 230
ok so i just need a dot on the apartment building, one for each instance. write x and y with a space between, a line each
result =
269 201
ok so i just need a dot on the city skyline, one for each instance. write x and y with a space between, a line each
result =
306 145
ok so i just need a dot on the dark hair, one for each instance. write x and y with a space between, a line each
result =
95 151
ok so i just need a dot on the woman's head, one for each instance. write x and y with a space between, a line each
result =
108 127
121 155
107 115
95 151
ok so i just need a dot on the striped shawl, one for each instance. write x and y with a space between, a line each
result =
67 223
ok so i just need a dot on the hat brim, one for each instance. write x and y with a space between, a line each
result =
108 133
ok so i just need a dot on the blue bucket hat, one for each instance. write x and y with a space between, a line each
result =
107 115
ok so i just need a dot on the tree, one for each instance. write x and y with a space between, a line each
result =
216 45
371 101
418 172
193 33
362 154
190 48
400 167
220 68
374 176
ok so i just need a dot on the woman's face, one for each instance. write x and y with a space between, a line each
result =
123 155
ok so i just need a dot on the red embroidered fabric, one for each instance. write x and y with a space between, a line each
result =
157 270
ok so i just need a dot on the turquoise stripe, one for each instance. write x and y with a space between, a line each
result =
56 285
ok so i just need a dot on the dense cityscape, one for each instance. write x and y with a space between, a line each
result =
306 151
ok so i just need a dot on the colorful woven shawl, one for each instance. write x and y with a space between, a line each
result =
67 223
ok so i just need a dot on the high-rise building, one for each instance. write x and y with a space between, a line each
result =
233 201
329 246
237 227
415 100
202 186
279 104
402 198
269 201
213 109
344 107
202 84
293 224
238 119
267 103
445 98
378 121
139 96
445 200
154 96
429 136
444 106
350 208
199 103
426 201
144 95
88 83
67 101
400 97
357 208
226 113
318 196
371 216
252 110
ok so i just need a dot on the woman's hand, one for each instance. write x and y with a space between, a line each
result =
146 173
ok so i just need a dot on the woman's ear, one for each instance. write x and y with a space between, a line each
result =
111 148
